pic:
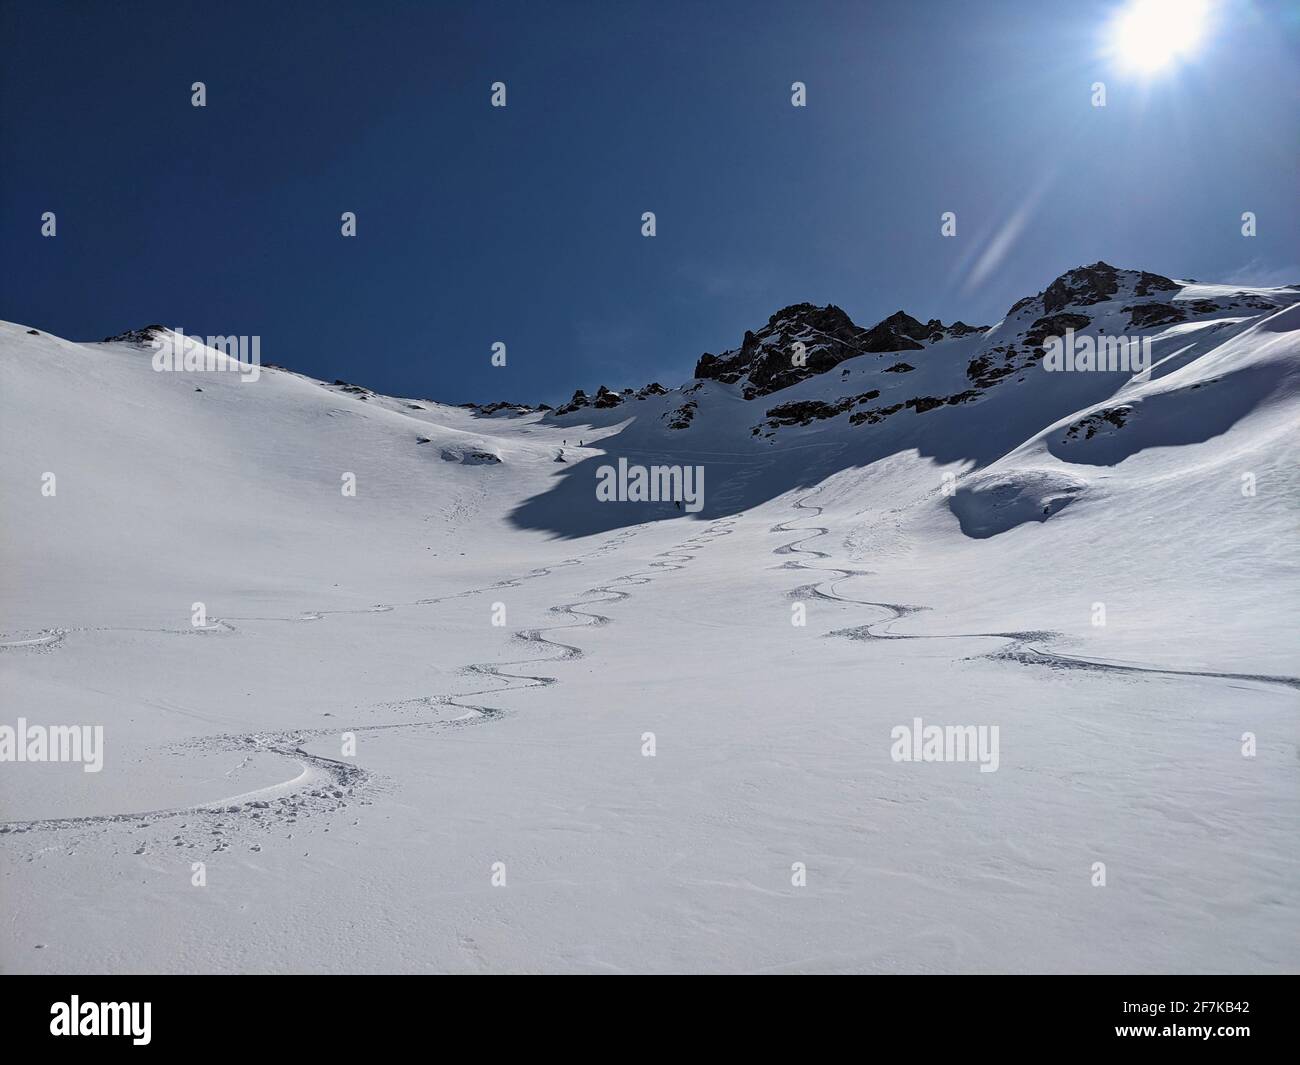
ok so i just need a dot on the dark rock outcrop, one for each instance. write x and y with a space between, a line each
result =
515 410
145 335
1145 315
804 340
988 369
769 359
872 415
681 417
806 411
1149 283
1087 285
1094 423
1054 325
899 332
1081 287
578 401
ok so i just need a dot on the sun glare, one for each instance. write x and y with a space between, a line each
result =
1150 35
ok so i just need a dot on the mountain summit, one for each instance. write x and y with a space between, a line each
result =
765 363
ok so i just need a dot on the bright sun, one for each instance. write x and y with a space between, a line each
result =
1149 35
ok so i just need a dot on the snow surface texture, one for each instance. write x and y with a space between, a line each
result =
961 600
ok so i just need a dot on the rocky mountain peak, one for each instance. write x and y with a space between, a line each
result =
145 335
769 360
1087 285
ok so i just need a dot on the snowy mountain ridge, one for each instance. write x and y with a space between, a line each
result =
971 398
805 341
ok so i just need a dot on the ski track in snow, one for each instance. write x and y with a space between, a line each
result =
45 640
325 785
1020 647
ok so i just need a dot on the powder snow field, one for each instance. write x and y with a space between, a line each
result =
522 743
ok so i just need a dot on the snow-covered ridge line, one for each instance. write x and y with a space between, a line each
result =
804 341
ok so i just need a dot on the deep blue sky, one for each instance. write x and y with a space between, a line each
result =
523 225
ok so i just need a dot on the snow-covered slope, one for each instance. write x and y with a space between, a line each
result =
167 479
949 519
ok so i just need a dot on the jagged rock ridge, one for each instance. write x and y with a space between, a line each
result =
804 340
